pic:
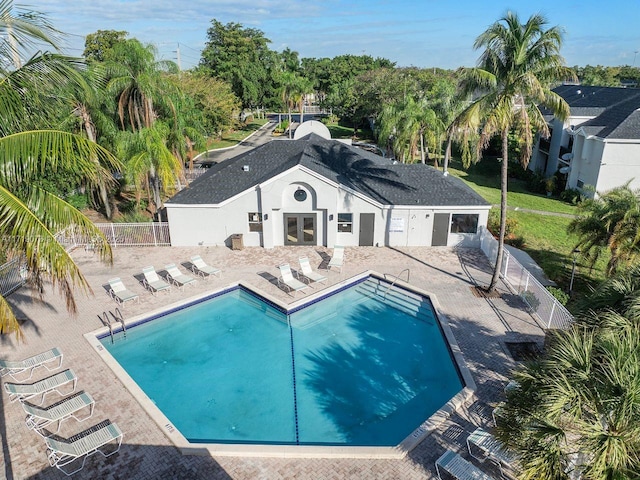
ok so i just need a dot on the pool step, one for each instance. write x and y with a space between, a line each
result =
396 297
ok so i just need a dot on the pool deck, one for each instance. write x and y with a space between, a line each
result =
481 327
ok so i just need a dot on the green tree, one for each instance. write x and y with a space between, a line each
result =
99 45
519 64
240 56
143 95
578 409
213 98
610 222
30 216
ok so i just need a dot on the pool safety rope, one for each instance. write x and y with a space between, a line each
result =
293 370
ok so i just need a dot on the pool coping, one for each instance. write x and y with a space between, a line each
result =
291 451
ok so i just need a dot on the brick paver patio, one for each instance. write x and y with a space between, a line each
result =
481 326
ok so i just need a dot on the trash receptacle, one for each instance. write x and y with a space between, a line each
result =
236 241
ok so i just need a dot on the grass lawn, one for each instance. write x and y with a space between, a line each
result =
341 131
545 237
517 194
231 138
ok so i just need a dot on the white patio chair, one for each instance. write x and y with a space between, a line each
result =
338 258
490 447
177 277
25 391
63 452
153 282
119 292
309 273
292 284
39 418
459 468
199 267
44 359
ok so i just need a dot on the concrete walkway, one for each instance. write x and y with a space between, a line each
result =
481 326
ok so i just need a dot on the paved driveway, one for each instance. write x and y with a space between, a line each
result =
481 327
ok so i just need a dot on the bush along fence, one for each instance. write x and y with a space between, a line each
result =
543 304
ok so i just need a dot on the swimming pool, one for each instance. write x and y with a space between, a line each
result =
359 366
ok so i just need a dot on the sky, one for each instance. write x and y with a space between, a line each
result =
420 33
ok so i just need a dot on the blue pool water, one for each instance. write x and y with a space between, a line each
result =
347 370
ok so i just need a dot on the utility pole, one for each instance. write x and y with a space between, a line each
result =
178 58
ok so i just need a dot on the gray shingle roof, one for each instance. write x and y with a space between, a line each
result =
615 109
369 174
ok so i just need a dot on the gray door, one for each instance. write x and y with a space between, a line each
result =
299 228
440 230
367 221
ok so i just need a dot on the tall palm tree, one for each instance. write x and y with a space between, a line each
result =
30 216
142 94
149 162
609 222
516 70
289 92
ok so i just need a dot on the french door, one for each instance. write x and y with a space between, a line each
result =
299 228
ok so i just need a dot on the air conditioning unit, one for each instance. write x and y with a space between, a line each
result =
245 168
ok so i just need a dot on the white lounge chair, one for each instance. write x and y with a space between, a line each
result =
51 360
292 284
153 282
338 258
62 452
119 292
199 267
177 277
25 391
39 418
309 273
490 447
459 468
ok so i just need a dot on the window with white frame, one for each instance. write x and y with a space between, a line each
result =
464 223
255 222
345 222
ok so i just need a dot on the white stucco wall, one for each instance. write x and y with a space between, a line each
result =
214 224
620 163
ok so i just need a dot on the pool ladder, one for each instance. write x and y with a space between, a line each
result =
397 277
114 319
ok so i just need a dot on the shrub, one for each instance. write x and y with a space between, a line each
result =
493 224
531 300
559 295
571 195
78 200
515 241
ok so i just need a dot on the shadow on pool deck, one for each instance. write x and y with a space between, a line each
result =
479 325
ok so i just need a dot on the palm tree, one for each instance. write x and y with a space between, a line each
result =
516 70
142 93
89 117
579 408
149 162
289 92
30 216
609 222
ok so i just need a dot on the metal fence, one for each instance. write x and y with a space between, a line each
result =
152 234
544 305
12 276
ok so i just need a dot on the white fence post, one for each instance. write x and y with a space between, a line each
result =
553 308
